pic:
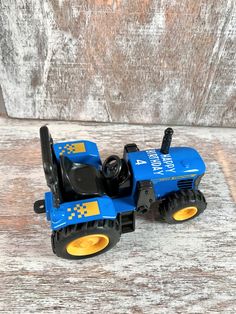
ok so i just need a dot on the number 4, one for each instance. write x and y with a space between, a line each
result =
140 162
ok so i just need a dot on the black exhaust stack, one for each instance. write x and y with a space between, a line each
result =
165 146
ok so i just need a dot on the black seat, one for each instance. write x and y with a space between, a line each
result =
80 179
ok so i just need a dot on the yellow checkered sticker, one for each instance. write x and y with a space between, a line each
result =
83 210
72 148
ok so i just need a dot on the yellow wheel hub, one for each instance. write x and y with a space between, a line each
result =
185 213
87 245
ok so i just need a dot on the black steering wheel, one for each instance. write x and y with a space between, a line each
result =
111 167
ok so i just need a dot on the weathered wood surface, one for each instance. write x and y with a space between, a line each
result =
2 106
160 268
133 61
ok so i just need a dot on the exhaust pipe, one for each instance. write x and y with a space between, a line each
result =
166 142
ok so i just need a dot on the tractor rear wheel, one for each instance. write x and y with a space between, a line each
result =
182 206
86 239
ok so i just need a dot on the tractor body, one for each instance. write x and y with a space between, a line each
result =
85 192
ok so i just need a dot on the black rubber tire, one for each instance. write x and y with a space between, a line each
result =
61 238
179 200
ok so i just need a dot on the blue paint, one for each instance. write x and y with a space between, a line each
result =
90 156
165 171
59 217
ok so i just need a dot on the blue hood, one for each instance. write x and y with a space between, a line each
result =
180 162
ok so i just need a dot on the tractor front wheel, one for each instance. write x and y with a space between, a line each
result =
86 239
182 206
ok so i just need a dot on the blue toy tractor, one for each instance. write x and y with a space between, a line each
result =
91 204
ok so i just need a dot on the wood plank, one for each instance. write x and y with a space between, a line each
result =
160 268
166 62
2 105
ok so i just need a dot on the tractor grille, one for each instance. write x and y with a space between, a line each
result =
185 184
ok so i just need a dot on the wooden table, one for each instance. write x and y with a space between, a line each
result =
160 268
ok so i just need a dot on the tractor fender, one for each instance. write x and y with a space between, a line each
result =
80 211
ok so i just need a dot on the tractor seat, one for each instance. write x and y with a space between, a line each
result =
80 179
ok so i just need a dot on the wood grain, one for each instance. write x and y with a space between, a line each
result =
2 106
166 62
160 268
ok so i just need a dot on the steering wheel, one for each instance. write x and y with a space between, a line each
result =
111 167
